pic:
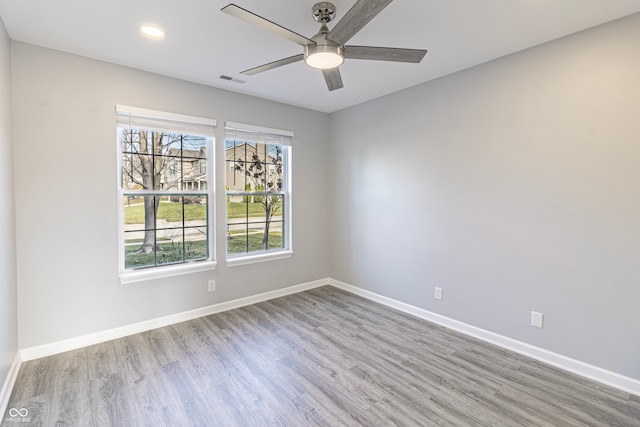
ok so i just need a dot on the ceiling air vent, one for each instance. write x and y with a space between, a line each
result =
231 79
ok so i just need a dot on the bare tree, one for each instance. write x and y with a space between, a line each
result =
143 166
265 175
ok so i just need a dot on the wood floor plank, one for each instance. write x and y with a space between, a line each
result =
323 357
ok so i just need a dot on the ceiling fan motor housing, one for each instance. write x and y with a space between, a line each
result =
326 49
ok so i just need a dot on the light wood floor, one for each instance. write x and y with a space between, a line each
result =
318 358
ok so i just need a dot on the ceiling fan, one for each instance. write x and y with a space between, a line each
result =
327 50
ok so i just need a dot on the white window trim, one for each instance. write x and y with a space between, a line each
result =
133 276
172 270
233 261
162 120
257 129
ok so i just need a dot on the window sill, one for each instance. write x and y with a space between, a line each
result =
168 271
252 259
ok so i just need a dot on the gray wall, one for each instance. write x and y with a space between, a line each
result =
66 200
515 186
8 283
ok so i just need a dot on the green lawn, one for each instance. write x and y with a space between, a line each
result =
172 211
194 250
239 209
237 244
168 253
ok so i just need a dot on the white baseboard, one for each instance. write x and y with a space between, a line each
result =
7 387
621 382
99 337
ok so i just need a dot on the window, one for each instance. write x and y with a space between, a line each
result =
258 193
165 206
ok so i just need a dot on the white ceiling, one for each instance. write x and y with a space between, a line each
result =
203 43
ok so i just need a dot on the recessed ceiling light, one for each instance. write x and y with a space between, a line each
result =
152 31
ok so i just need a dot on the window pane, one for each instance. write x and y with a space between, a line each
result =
169 248
140 235
195 245
163 161
235 155
167 144
182 224
172 174
134 166
195 210
192 176
276 235
253 167
236 238
135 210
169 213
254 223
194 147
237 224
135 257
165 230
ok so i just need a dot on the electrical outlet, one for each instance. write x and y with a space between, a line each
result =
438 293
537 319
211 285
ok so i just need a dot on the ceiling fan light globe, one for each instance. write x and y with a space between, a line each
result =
324 60
323 57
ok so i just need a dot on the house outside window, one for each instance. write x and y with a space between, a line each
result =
258 187
166 209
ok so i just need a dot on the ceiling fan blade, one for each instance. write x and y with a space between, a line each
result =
274 64
384 53
357 17
265 24
333 78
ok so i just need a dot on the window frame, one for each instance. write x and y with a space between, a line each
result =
145 119
263 135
